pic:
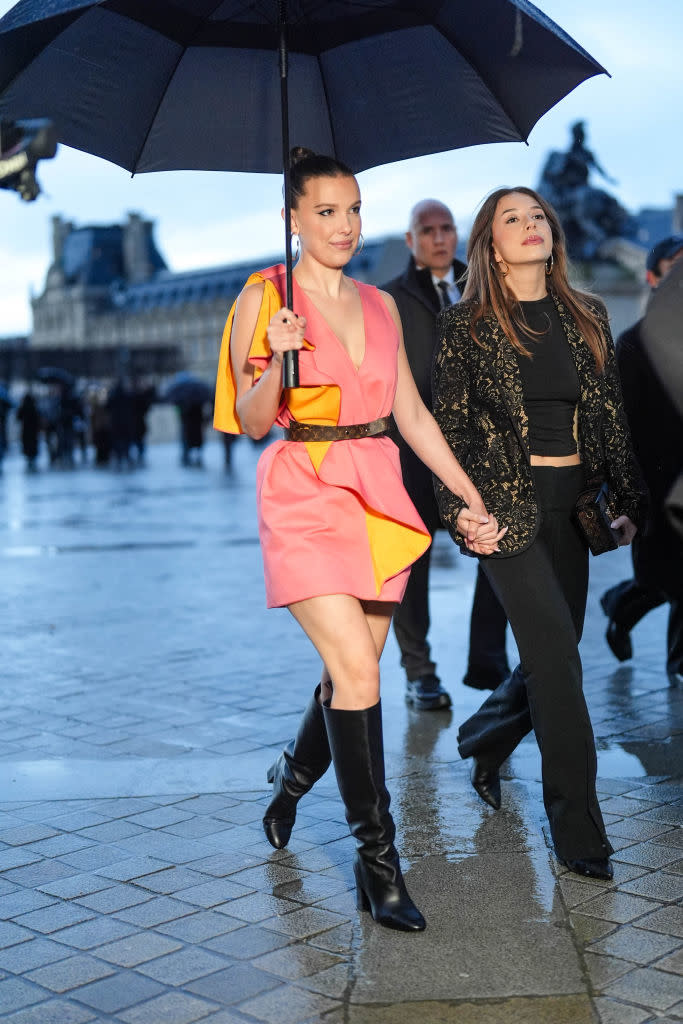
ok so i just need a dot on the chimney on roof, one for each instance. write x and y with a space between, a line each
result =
137 244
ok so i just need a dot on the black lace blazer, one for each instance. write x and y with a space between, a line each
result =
478 403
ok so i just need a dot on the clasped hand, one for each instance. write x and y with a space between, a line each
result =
480 530
285 332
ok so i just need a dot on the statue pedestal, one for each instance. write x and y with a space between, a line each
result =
618 279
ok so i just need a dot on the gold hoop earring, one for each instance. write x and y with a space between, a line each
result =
361 245
501 264
297 248
549 268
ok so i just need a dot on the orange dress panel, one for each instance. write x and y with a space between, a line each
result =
334 517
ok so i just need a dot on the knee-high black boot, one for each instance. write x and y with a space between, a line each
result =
358 756
299 766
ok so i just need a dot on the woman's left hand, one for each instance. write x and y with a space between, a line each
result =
625 530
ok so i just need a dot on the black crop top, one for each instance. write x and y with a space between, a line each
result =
550 383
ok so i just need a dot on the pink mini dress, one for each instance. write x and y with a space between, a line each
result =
334 517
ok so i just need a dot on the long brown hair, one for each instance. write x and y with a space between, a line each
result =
486 284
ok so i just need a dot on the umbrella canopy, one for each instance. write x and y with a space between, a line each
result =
55 375
195 84
185 389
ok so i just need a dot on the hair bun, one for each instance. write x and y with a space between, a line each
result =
299 153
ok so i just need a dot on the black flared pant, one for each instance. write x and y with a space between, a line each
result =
543 590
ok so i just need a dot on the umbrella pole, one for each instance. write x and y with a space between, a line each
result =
290 364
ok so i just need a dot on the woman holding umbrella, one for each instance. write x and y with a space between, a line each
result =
527 394
338 531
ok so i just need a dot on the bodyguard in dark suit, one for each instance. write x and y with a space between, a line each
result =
429 284
657 433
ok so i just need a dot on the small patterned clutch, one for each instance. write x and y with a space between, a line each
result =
593 516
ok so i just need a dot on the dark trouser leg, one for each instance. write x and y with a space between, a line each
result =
628 602
487 662
543 590
674 661
411 622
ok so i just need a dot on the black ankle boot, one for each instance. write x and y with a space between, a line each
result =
591 867
299 766
486 781
355 739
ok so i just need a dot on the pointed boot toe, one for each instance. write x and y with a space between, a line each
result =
598 867
486 782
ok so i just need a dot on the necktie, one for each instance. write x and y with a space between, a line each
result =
444 296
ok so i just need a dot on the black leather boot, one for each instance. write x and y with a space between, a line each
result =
299 766
358 755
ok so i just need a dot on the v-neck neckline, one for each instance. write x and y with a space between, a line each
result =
342 346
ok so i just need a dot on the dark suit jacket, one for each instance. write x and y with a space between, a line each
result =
418 305
478 403
657 432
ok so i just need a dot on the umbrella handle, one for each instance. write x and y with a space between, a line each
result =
290 363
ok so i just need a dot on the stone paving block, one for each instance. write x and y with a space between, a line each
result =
75 820
603 970
612 1012
267 876
21 901
159 817
76 885
183 966
223 864
287 1005
34 875
296 961
15 994
121 991
28 955
137 949
247 942
165 847
576 890
340 939
676 867
635 944
673 963
168 880
59 845
303 923
637 830
258 906
667 814
648 986
111 831
11 934
16 857
121 807
672 838
154 912
116 897
172 1008
666 888
93 858
94 933
132 868
52 1011
233 984
647 855
214 892
206 924
197 828
207 803
70 973
333 982
625 806
52 918
668 920
617 906
24 834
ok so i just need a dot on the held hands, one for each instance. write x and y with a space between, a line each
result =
479 529
625 530
285 332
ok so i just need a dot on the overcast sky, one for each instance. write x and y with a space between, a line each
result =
207 219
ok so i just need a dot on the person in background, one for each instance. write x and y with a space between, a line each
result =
657 432
526 391
431 281
29 418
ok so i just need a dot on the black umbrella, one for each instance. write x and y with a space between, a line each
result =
55 375
194 84
186 389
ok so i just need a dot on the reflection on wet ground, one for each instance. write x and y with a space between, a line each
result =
144 691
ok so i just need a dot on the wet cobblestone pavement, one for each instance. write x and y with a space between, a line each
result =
144 692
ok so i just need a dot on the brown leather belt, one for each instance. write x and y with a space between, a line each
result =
350 432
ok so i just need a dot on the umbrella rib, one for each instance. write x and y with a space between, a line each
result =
327 104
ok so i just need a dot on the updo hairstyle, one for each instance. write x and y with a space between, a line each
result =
304 164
